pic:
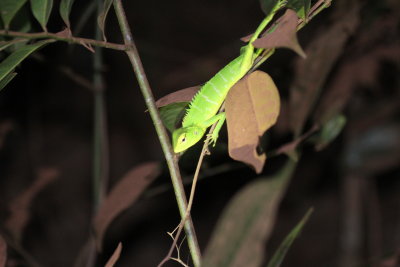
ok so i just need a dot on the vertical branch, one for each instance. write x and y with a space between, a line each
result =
100 139
100 145
351 232
161 132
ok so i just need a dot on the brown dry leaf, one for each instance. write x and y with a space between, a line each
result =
184 95
252 107
115 256
3 252
66 33
84 253
123 195
361 71
19 207
87 46
284 35
101 19
312 73
393 261
290 148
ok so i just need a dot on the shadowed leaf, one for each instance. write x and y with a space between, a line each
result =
280 254
8 9
115 256
252 107
284 35
7 79
12 61
312 73
374 149
20 206
330 130
101 20
22 22
3 252
41 10
183 95
392 261
172 106
355 72
172 114
123 195
246 223
65 9
301 7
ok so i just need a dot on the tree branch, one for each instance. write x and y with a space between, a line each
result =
66 37
170 157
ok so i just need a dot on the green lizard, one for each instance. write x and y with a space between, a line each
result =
203 109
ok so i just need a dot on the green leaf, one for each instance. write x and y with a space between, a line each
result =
65 9
12 61
101 20
280 254
7 79
300 6
171 114
8 9
330 130
246 224
41 10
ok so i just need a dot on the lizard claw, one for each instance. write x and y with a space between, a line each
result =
213 137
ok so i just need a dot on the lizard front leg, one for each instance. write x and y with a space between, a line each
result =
220 119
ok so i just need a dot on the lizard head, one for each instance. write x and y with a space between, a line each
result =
185 137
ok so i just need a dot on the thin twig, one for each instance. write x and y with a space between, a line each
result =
25 255
315 9
170 157
61 37
187 180
204 152
67 71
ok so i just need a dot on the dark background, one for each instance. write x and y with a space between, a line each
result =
46 124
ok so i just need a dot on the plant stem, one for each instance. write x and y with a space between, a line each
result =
100 172
170 157
264 54
66 38
100 145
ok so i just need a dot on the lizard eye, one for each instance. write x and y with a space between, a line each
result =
183 139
